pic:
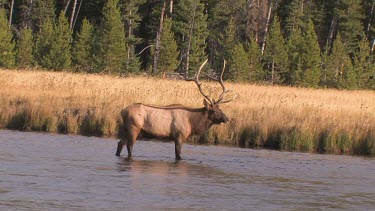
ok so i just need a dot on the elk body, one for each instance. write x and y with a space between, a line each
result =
176 122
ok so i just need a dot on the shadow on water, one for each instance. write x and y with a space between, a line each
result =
180 168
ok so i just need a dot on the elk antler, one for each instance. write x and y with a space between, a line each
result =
199 84
220 80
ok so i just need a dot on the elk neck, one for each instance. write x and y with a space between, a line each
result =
199 121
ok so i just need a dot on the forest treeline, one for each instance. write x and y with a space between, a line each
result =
309 43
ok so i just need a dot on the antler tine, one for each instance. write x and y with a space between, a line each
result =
220 80
199 84
227 101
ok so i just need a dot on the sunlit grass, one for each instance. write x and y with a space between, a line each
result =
262 116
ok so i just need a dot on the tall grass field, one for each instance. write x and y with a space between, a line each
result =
284 118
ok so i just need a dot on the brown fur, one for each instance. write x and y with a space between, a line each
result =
176 122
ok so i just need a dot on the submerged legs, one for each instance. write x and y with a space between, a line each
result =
129 141
120 145
178 143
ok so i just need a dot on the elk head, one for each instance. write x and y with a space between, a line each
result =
215 114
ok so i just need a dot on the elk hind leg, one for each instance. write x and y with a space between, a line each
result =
178 143
120 145
132 138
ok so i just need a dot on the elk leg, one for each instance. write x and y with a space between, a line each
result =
177 146
130 148
120 145
132 138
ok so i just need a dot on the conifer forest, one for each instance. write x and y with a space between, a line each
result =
304 43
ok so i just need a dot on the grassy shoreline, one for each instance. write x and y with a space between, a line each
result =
286 118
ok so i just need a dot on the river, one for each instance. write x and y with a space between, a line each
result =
66 172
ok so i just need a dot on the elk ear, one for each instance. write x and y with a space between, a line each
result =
207 104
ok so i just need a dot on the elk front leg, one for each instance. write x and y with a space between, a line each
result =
178 143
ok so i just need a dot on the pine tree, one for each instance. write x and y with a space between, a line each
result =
168 49
42 10
227 42
349 20
7 54
25 46
111 49
364 63
60 53
339 68
295 51
53 44
82 51
132 19
311 59
43 45
276 55
294 20
224 15
256 72
190 25
239 64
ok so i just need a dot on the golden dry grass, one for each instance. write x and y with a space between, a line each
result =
321 120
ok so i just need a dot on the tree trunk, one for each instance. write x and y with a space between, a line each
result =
73 13
331 31
369 21
130 33
273 72
66 7
267 26
11 14
170 6
157 42
79 9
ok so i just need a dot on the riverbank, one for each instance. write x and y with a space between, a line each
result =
286 118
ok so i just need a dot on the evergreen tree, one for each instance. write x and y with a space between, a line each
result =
239 64
82 51
168 49
132 19
364 63
311 59
256 72
229 14
227 42
53 44
43 45
7 54
349 20
339 68
111 49
276 56
294 20
42 10
25 46
295 51
190 24
60 53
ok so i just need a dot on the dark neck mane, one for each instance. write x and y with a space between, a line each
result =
200 122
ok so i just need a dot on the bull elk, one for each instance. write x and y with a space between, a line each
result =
176 122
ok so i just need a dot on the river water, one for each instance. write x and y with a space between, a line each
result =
65 172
